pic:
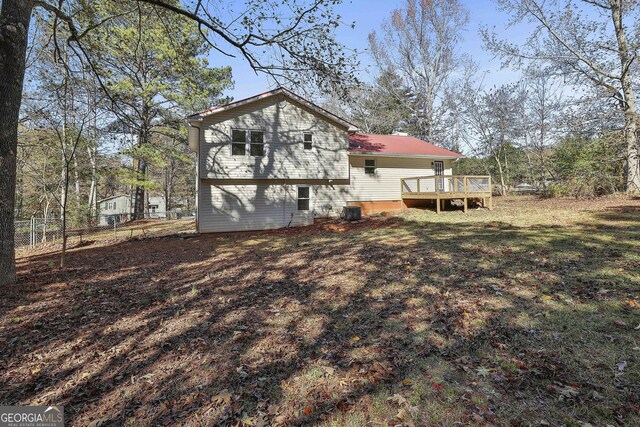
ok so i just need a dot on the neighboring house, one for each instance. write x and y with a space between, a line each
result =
156 207
277 160
120 208
114 209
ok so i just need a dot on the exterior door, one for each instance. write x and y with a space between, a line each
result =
438 170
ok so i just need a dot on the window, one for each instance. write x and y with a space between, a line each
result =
303 198
240 138
238 142
308 141
114 205
370 167
257 143
153 208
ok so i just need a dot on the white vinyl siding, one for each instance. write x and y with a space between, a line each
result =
284 123
384 185
261 205
249 207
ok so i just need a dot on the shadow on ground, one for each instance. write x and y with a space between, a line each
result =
399 320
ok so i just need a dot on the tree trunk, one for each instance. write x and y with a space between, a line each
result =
92 200
503 188
632 168
141 167
14 30
138 201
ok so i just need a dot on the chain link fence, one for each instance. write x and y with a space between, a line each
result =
40 231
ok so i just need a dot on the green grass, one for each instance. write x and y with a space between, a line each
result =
520 316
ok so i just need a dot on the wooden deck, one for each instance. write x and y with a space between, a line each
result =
448 187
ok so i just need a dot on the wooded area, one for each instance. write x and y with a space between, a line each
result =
96 95
567 126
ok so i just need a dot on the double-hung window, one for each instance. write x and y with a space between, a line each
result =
303 198
370 166
238 142
240 139
257 143
307 141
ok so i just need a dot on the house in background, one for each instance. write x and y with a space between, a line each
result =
156 207
114 209
120 208
277 160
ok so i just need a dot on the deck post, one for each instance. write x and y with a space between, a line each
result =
437 204
465 205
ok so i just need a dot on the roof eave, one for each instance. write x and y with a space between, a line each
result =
198 117
428 156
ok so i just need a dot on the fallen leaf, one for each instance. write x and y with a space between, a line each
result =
622 366
307 410
483 372
273 409
407 382
98 422
397 399
223 398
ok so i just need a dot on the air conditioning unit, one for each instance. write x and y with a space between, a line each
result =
352 213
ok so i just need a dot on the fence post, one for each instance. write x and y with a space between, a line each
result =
32 232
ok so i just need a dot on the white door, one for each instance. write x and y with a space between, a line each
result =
438 170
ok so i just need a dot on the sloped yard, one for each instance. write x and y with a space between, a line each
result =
529 314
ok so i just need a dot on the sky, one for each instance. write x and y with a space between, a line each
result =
369 15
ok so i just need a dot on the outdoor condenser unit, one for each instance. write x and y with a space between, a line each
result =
352 213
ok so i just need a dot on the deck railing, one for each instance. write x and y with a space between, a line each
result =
446 185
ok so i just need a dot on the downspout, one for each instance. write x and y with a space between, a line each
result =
195 133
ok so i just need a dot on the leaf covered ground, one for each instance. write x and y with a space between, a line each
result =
527 315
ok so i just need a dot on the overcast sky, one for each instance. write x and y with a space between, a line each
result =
369 16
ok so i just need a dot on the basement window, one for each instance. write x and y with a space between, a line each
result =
308 141
238 142
303 198
370 166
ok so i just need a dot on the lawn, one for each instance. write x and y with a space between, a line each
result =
526 315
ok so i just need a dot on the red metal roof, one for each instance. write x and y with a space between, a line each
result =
362 143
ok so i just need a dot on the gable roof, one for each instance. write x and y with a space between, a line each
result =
113 197
398 145
281 90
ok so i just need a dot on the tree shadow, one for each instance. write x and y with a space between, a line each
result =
471 323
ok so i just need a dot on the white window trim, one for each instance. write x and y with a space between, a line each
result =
434 166
310 198
247 142
313 142
375 167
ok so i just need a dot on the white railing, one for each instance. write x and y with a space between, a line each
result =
446 184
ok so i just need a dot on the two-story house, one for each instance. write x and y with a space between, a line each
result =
277 160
